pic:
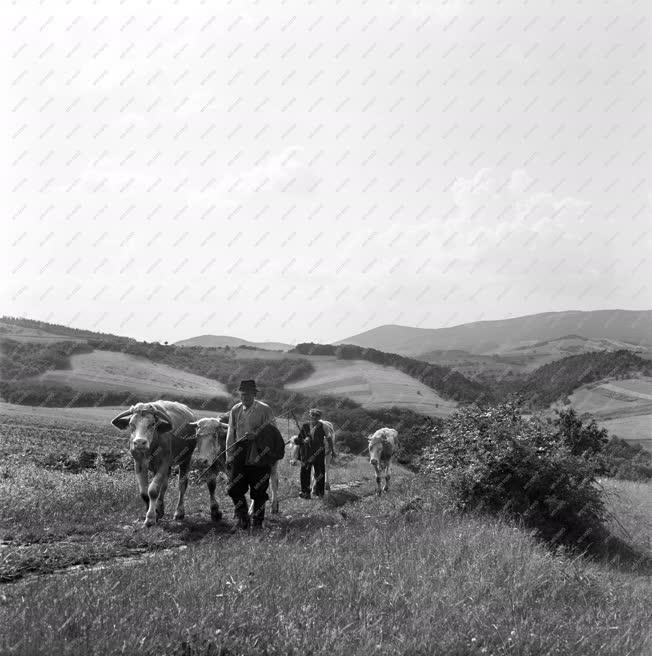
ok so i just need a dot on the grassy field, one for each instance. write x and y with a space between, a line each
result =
23 334
371 385
623 407
367 383
395 575
110 370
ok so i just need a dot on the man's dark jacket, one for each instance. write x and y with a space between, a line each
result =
269 445
312 446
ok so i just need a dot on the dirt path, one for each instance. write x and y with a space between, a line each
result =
195 528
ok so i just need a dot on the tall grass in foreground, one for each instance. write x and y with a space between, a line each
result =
383 581
37 501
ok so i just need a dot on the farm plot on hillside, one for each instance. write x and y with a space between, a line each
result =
372 386
615 398
636 430
623 407
115 371
24 334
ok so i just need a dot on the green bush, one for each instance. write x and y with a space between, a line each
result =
626 461
582 439
497 461
350 442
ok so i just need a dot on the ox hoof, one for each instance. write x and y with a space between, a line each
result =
179 515
149 522
216 515
275 510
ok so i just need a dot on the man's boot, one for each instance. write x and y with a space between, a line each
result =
242 514
258 515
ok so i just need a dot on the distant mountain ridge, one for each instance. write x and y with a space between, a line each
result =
220 341
487 337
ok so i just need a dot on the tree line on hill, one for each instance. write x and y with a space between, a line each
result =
20 360
58 395
559 379
58 329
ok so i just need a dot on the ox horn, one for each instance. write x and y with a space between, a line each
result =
122 420
164 421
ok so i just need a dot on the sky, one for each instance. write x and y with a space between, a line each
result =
305 171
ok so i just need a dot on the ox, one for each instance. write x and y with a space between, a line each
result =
382 445
210 434
161 436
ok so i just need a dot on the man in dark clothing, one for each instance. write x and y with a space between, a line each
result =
244 454
312 441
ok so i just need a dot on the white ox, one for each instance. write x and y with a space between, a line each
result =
382 446
162 434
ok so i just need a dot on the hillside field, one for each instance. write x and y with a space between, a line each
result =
623 407
372 386
25 334
112 370
355 574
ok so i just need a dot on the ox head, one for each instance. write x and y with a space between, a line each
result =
210 434
381 446
375 445
144 421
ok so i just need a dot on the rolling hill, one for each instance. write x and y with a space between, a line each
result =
623 407
115 371
524 359
487 337
220 341
371 385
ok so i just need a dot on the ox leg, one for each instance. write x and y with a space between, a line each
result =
273 485
160 501
216 515
377 470
388 474
140 469
180 512
159 482
327 481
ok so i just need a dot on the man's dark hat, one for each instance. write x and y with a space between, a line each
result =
247 386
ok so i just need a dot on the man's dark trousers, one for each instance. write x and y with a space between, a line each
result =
248 478
318 461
